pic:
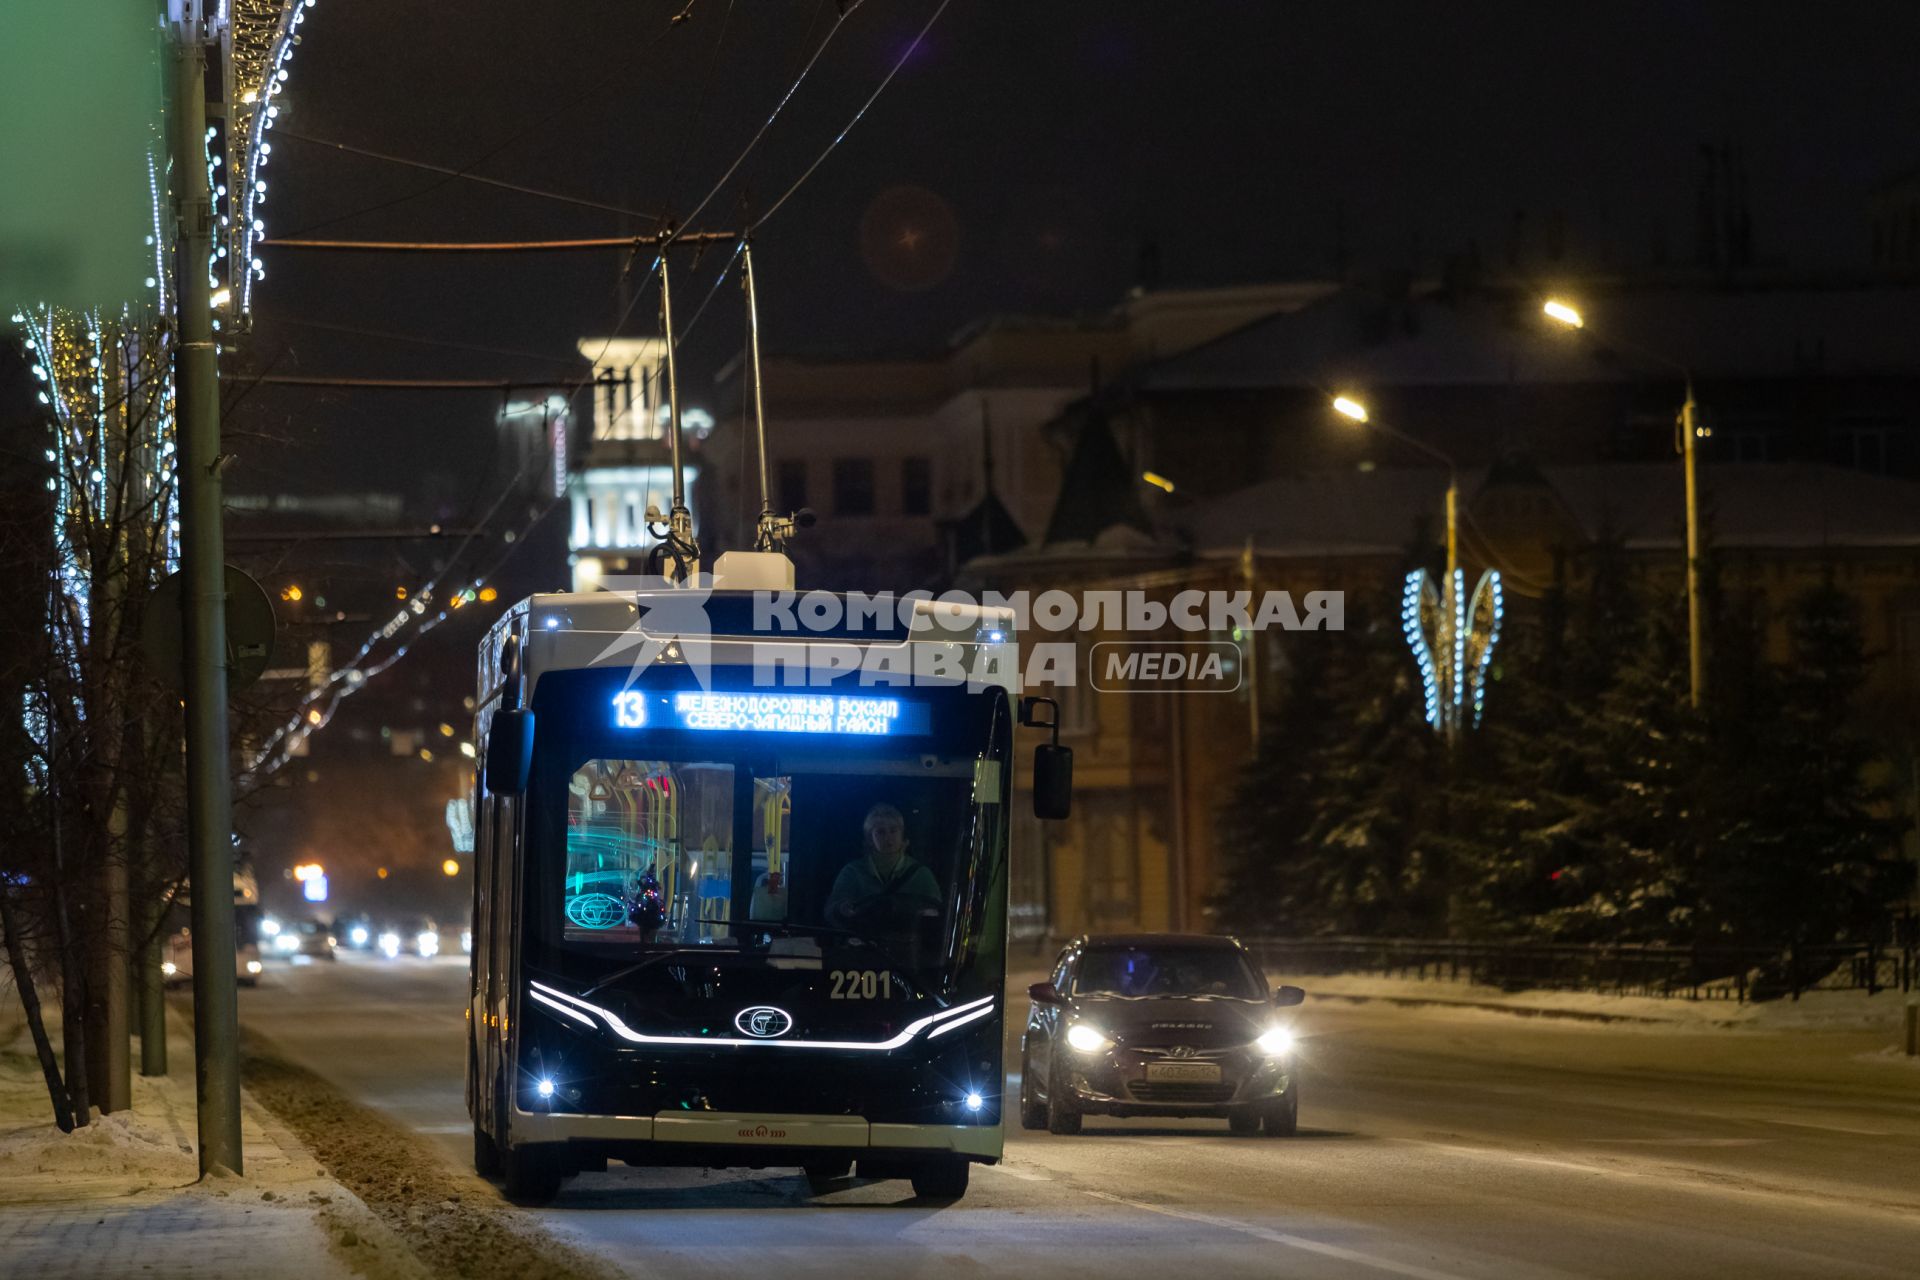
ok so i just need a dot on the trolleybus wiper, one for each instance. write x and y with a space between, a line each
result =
648 963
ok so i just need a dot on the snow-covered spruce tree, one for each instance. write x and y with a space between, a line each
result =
1802 852
1264 823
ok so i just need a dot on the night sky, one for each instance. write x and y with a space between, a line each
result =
1018 162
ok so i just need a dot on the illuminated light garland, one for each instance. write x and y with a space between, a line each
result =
1489 597
254 116
1452 636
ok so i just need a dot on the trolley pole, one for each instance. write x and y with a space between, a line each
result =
216 1047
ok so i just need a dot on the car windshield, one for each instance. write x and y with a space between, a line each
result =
1165 971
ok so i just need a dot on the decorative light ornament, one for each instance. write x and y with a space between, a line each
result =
1452 635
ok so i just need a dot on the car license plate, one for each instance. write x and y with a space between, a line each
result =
1184 1072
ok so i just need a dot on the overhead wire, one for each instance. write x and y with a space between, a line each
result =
387 336
625 69
340 676
778 107
450 172
899 62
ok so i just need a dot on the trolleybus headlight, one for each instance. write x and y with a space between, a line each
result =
1276 1043
1087 1039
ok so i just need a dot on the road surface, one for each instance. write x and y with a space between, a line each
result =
1433 1144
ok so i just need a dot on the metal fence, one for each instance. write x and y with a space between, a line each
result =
1693 973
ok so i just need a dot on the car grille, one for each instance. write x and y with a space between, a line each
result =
1163 1092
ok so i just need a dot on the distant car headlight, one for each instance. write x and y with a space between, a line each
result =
1275 1043
466 941
389 945
428 943
168 968
1087 1039
253 966
358 935
286 942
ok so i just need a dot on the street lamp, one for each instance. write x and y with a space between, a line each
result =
1356 410
1454 651
1565 314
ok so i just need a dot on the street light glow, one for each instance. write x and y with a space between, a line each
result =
1349 407
1564 313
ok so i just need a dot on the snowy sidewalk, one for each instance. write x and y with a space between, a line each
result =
122 1197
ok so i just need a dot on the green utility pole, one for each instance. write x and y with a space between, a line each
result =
216 1018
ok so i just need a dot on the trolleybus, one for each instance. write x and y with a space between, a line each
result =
736 904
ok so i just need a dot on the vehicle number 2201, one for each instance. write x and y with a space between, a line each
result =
861 984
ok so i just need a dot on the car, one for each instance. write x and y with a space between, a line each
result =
176 948
1159 1024
355 932
410 935
309 938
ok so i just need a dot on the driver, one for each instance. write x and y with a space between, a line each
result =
883 890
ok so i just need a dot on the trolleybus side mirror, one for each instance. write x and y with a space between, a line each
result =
1045 993
509 752
1287 996
1052 763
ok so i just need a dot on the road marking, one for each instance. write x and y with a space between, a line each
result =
1824 1128
1302 1243
441 1128
1022 1174
1682 1142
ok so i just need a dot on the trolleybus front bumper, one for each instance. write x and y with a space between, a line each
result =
680 1136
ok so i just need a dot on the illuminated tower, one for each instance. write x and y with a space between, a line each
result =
621 468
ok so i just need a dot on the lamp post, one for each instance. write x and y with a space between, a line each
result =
1349 407
1454 650
1568 315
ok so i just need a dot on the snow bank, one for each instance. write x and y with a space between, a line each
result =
1814 1011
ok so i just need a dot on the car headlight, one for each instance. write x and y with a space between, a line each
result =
168 968
1087 1039
1275 1043
428 943
253 966
358 936
390 945
286 942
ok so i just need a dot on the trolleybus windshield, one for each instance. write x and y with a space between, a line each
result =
772 831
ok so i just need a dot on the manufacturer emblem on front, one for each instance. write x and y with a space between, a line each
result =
763 1021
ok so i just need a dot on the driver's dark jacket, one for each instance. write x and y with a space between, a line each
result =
911 885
